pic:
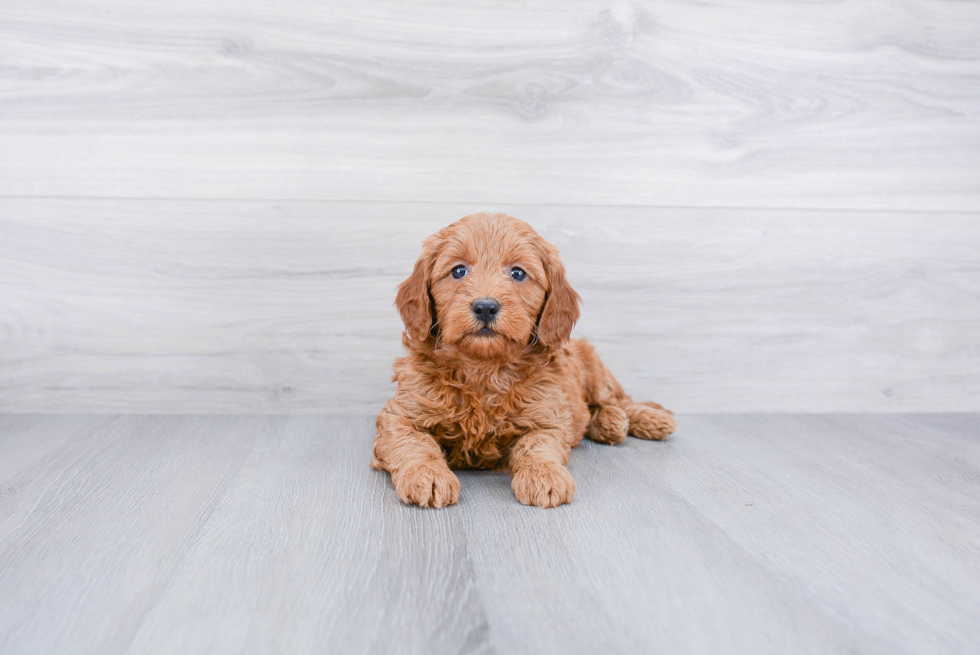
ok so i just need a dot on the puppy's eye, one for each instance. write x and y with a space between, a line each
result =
518 274
459 271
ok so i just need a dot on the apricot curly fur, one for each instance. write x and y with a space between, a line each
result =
518 399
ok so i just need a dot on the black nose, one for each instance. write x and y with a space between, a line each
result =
485 309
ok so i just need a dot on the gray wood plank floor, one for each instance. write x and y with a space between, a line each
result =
742 534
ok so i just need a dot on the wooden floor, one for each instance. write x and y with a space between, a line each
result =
742 534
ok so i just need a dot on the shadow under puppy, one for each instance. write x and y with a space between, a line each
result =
491 379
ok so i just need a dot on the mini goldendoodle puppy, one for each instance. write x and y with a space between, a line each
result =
491 379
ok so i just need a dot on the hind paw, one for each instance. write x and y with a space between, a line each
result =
609 424
650 421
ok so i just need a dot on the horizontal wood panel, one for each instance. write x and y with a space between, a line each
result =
258 306
743 103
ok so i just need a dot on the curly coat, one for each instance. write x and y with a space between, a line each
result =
513 393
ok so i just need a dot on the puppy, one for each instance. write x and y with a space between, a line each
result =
491 379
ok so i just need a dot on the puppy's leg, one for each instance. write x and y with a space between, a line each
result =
614 414
417 465
609 424
537 463
607 400
650 421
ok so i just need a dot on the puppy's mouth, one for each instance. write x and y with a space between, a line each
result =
485 332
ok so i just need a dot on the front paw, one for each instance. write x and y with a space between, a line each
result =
427 485
544 485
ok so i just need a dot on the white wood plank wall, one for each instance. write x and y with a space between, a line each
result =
206 206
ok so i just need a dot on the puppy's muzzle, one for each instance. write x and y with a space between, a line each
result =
485 310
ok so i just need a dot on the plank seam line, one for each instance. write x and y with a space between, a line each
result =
504 204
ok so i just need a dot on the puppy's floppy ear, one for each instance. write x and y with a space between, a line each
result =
414 302
560 310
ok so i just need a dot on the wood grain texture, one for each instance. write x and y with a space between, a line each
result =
741 534
327 562
750 103
91 533
242 307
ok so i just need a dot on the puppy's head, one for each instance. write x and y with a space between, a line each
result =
490 285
